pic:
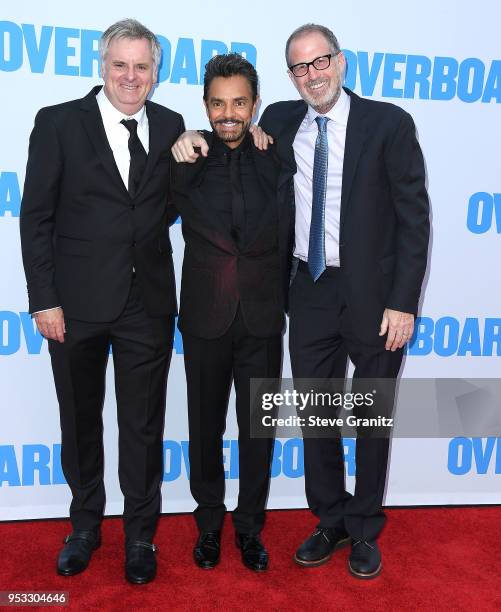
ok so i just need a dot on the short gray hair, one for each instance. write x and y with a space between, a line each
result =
309 28
130 28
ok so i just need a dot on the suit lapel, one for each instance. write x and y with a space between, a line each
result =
188 178
355 138
267 170
156 143
93 124
195 171
286 140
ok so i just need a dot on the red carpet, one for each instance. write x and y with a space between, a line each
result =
433 559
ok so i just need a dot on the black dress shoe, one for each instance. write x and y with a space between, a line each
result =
318 548
77 551
140 562
254 554
365 560
207 549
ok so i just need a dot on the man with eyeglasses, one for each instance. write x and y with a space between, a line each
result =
358 262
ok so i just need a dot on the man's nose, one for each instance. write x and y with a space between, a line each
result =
313 73
131 73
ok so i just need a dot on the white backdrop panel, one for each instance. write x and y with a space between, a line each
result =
390 45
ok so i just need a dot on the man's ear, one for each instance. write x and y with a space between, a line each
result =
342 65
254 106
206 106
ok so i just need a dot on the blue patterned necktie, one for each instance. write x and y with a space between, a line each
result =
316 247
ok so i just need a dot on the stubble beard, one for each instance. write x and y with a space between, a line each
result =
228 136
326 102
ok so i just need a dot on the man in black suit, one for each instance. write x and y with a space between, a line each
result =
361 240
360 296
97 257
232 303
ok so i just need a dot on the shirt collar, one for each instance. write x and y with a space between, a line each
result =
221 148
112 115
338 113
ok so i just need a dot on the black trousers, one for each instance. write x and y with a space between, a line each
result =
321 337
141 349
210 366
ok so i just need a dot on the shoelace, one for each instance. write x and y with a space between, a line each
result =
210 541
140 544
323 533
84 536
250 541
362 542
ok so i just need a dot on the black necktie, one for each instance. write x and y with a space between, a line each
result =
138 156
237 199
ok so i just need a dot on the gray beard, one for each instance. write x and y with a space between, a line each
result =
325 107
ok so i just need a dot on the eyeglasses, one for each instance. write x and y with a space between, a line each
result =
319 63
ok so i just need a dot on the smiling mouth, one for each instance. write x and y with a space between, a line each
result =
229 123
315 86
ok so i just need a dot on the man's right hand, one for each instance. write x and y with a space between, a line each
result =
50 324
183 149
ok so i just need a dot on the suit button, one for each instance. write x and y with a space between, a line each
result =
134 243
133 207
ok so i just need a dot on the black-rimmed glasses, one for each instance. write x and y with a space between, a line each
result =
319 63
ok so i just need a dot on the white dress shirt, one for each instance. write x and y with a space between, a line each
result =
118 134
118 138
304 153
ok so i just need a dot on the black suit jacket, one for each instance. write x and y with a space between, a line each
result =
81 232
217 274
384 225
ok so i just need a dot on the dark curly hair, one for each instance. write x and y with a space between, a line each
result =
228 65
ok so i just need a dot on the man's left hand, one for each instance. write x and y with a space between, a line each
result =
399 326
261 139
